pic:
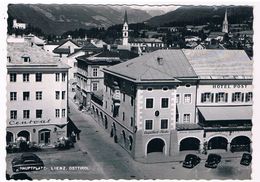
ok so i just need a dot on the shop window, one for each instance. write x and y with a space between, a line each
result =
26 77
165 102
38 113
249 97
38 77
187 98
149 103
26 95
26 114
13 96
164 124
221 97
186 118
13 114
237 97
207 97
12 77
148 124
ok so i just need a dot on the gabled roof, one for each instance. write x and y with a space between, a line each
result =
64 50
171 66
220 63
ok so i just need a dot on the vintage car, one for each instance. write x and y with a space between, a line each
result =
190 161
213 160
27 162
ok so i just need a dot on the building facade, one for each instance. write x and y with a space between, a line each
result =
37 95
171 101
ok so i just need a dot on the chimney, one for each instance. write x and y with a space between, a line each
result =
160 60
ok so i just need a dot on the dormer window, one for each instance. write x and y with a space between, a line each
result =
26 59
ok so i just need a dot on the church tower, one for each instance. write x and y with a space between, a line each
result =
225 24
125 30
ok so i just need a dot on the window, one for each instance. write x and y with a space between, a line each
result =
12 77
132 101
26 114
26 59
249 97
237 97
13 114
186 118
38 95
177 117
26 95
57 95
149 103
164 124
165 88
57 113
177 98
106 104
13 96
123 116
132 121
148 124
164 102
63 95
106 88
94 72
38 77
149 89
94 86
124 97
38 113
207 97
221 97
63 113
26 77
63 77
57 77
187 98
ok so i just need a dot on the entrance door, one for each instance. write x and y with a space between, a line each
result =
44 136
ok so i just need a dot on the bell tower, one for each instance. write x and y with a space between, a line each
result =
125 30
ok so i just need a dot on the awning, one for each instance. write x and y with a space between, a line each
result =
226 113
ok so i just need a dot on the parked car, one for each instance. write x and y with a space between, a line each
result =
20 176
64 143
246 159
190 161
213 160
27 162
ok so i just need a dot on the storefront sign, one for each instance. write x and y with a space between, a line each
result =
156 132
229 86
29 122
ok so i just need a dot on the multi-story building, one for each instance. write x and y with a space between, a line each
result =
168 101
17 25
89 74
37 89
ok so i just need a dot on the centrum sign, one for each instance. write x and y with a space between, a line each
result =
29 122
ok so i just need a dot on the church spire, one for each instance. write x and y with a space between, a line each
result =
125 18
225 23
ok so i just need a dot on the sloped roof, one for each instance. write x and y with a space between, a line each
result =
219 62
147 68
16 51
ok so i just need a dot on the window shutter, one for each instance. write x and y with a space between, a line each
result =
226 97
202 96
212 97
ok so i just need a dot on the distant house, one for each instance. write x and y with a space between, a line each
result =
98 43
192 38
66 47
17 25
145 42
216 36
209 46
35 40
